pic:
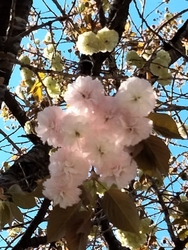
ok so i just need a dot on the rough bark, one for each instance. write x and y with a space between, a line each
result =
175 46
27 169
13 19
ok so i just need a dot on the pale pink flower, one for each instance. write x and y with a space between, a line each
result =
107 114
85 93
71 166
134 129
136 95
101 148
49 125
120 171
64 195
74 128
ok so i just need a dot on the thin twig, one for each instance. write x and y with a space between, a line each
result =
11 142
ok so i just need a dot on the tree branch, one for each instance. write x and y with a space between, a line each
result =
35 242
106 230
175 46
117 17
26 238
27 169
165 211
101 13
13 22
19 114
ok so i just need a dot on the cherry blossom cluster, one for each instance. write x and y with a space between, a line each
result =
105 40
95 131
158 66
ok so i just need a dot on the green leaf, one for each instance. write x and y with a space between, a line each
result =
58 220
165 125
154 157
88 195
78 230
21 198
15 211
183 207
121 210
38 190
5 216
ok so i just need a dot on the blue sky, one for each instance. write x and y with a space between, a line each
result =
16 79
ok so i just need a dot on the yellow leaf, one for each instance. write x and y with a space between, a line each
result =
148 76
165 125
132 34
83 29
141 44
127 26
36 90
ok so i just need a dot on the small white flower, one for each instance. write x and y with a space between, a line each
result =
135 130
165 79
119 171
49 125
47 38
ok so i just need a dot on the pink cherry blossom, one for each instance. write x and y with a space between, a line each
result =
134 129
101 149
85 93
107 114
62 194
70 165
136 95
49 125
120 171
74 128
96 130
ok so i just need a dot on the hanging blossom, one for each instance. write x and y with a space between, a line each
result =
108 39
105 40
68 169
88 43
120 171
49 129
137 96
96 130
84 94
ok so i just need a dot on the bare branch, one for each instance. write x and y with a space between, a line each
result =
26 238
101 13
